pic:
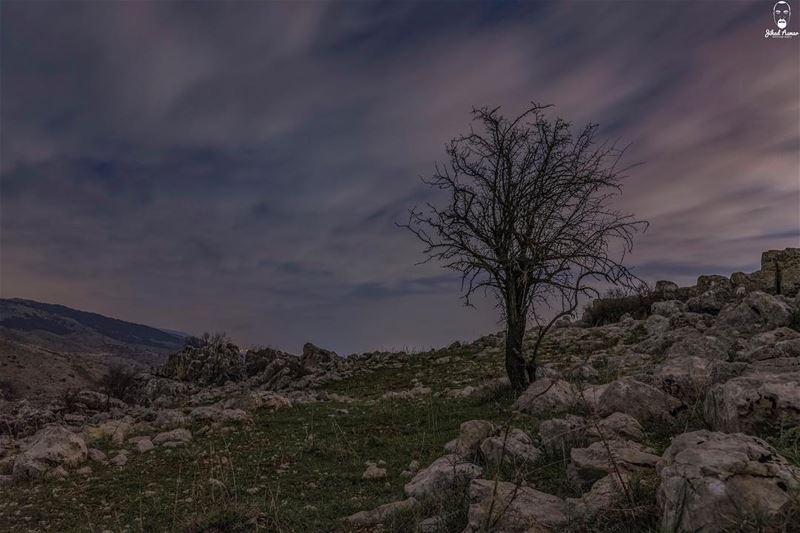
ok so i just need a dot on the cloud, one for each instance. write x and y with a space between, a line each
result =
241 167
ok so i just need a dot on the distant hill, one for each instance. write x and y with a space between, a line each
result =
49 347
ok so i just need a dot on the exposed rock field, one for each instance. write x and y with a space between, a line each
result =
687 419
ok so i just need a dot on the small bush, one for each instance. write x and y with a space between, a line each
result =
794 319
615 304
120 383
212 340
8 391
69 398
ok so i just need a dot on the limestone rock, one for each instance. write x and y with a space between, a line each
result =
516 449
516 509
606 457
618 426
96 400
470 435
751 403
180 435
142 444
445 474
170 418
98 456
697 345
216 414
686 378
590 396
710 301
315 357
382 513
667 308
758 311
710 481
210 360
643 402
606 494
116 430
780 271
53 446
119 460
57 473
373 471
547 396
777 343
560 435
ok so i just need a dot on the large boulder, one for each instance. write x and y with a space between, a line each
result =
315 358
257 361
616 426
215 413
645 403
510 508
695 344
96 401
688 378
714 482
560 435
601 458
547 396
758 311
445 475
381 514
115 430
780 271
775 344
52 447
754 402
210 360
175 437
470 435
667 308
714 293
514 447
685 377
607 494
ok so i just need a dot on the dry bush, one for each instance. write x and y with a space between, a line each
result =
119 382
615 304
8 391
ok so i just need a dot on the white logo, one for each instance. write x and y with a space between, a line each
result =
781 14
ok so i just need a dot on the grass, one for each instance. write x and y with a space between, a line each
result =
293 470
299 469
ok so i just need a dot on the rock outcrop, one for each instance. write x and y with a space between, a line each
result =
52 447
446 474
753 403
715 481
508 507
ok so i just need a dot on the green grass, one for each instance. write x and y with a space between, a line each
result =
306 463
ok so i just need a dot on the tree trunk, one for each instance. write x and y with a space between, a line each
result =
515 361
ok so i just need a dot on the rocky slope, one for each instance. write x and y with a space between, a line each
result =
686 420
47 348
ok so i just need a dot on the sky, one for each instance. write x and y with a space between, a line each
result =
241 166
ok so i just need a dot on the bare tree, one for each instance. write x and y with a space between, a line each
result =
530 219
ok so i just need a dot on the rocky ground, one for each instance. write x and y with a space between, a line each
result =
686 420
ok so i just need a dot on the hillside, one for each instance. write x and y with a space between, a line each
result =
683 420
46 348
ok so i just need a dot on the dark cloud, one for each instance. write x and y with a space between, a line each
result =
241 166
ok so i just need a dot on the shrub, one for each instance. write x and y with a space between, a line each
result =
8 391
69 398
615 304
794 319
119 382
